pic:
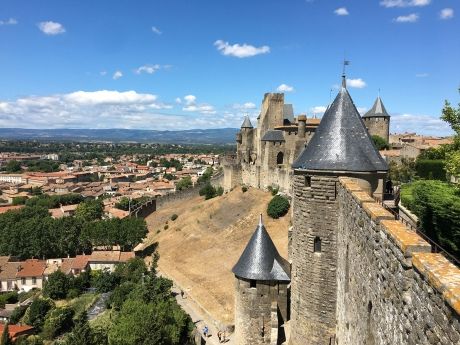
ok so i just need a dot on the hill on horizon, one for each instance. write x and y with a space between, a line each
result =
190 136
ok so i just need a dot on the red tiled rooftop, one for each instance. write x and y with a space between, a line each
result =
80 262
4 209
31 268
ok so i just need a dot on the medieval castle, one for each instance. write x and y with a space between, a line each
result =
354 275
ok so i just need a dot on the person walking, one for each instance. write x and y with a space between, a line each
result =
205 331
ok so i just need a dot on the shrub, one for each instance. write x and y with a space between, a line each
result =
274 191
17 314
104 281
431 169
380 142
37 311
174 217
208 191
57 285
244 189
437 205
278 206
219 191
59 320
166 227
9 297
19 200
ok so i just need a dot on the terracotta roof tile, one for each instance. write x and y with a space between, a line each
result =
31 268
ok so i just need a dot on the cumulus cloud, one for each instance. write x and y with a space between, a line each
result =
319 109
156 30
341 11
423 124
410 18
446 13
404 3
149 69
285 88
356 83
87 109
244 106
117 75
9 21
240 50
51 28
190 105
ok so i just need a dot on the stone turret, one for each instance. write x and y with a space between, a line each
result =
377 120
261 281
245 143
341 146
302 119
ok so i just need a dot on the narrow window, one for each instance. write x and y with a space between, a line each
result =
34 280
317 245
23 281
252 283
307 181
280 158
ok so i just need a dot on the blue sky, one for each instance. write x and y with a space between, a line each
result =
177 64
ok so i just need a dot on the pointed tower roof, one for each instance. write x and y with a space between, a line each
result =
341 141
378 109
247 123
260 259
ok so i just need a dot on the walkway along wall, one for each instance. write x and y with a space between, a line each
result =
390 288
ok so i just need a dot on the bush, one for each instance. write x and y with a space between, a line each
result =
104 281
208 191
431 169
437 205
244 189
380 142
219 191
17 314
59 320
19 200
174 217
166 227
278 206
9 297
37 311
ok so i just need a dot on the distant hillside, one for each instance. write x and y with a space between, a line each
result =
192 136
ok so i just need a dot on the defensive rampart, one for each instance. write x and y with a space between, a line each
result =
391 288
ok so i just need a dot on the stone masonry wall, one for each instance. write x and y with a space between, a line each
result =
313 275
378 126
390 288
253 311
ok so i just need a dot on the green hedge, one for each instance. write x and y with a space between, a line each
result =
431 169
437 205
278 206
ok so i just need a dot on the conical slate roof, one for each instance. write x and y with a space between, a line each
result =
260 259
247 123
378 109
341 141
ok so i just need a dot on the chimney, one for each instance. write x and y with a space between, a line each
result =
302 119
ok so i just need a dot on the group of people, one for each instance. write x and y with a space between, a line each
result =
220 334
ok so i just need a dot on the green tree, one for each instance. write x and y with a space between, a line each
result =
19 200
452 116
380 142
36 314
13 167
278 206
57 285
6 339
81 333
105 281
17 314
184 183
59 321
90 210
208 191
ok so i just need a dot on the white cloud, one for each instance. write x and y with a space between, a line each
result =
9 21
244 106
319 109
192 106
178 100
342 11
149 69
422 75
87 109
51 28
285 88
117 75
156 30
240 50
446 13
356 83
410 18
404 3
422 124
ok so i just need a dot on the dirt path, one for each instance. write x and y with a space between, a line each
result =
199 249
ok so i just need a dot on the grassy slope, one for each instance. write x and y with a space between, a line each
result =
199 249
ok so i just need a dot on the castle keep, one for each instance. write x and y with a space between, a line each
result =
358 276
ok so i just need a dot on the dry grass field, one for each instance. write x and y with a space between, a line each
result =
199 248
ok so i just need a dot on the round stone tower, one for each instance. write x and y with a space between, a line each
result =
377 120
341 146
245 140
261 296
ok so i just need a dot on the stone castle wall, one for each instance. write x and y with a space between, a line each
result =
254 315
390 288
313 275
